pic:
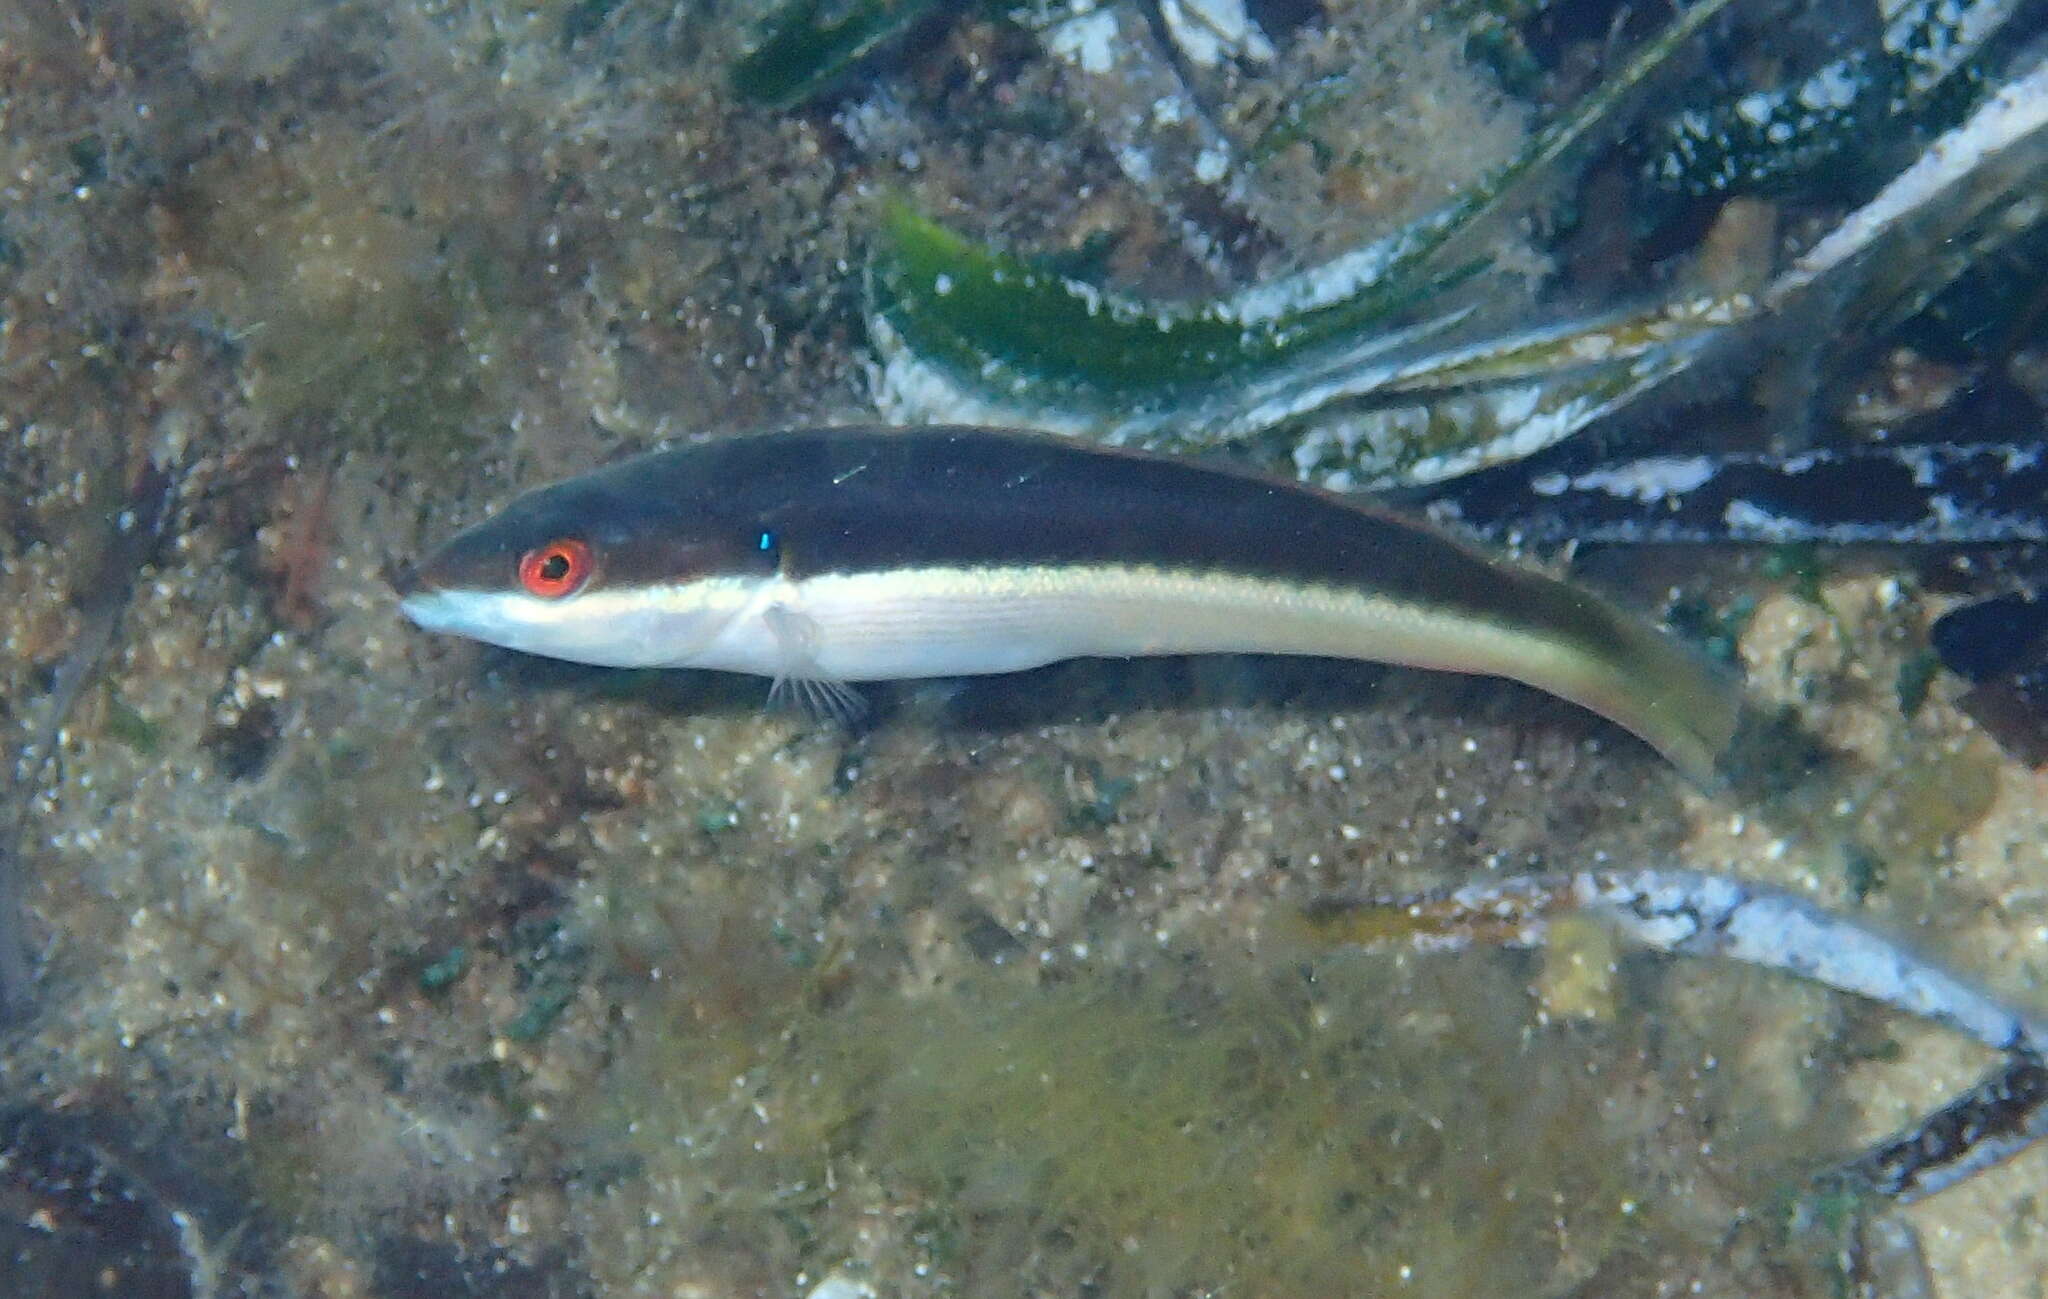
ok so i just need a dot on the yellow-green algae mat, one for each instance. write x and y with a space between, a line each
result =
1353 1103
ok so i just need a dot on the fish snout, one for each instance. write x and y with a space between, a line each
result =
406 580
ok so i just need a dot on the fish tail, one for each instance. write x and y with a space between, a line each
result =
1686 707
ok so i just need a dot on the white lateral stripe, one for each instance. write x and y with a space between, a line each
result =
963 621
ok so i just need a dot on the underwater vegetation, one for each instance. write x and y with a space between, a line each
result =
1389 1128
355 963
967 333
1339 373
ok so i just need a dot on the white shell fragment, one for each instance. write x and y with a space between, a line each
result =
841 1286
1209 31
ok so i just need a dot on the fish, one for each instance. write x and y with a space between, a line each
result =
821 557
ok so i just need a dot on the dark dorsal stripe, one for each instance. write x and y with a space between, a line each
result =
853 500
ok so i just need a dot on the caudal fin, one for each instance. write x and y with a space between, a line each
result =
1687 708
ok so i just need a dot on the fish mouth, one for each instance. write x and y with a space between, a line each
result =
430 608
406 581
423 600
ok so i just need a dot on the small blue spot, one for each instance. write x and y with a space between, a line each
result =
767 541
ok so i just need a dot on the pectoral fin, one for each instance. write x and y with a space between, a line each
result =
799 681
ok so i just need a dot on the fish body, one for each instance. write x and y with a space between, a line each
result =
857 554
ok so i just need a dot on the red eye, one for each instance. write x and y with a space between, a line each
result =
556 569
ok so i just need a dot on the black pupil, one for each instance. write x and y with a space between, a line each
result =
555 567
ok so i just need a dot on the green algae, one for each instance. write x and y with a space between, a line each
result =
980 311
808 44
966 330
1915 678
131 728
550 962
969 332
1800 566
1223 1136
1716 630
1208 1120
442 973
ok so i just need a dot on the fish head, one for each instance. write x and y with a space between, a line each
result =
595 570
